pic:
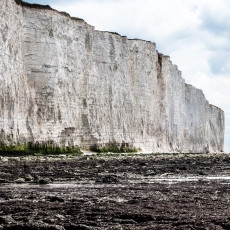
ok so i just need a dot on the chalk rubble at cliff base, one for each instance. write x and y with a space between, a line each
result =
64 82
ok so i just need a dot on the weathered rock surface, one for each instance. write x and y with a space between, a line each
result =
63 81
152 191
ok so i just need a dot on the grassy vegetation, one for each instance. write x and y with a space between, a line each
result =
114 148
37 148
76 18
32 5
112 32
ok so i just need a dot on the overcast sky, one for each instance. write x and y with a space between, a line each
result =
194 33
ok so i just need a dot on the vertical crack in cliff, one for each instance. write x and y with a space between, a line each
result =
159 66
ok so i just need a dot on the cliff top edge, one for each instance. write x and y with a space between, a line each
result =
48 7
44 7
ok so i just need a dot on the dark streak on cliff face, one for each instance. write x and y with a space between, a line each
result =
159 66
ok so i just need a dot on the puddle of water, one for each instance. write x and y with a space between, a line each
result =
218 177
185 179
63 185
92 184
190 179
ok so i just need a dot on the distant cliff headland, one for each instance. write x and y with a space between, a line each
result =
65 84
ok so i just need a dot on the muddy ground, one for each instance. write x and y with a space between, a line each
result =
115 192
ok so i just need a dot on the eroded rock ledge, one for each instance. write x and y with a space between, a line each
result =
64 82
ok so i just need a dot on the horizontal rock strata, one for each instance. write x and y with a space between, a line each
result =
64 82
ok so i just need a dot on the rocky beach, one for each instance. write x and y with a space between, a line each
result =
115 191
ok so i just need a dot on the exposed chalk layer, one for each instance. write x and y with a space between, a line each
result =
65 82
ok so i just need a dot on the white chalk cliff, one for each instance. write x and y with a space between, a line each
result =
63 81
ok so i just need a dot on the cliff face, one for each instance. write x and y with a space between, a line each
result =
63 81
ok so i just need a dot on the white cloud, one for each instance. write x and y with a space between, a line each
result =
195 33
215 17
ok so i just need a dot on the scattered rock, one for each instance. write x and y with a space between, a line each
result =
2 181
202 173
138 217
49 221
150 173
78 227
20 181
43 180
132 204
109 179
60 217
33 227
54 199
29 178
6 220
